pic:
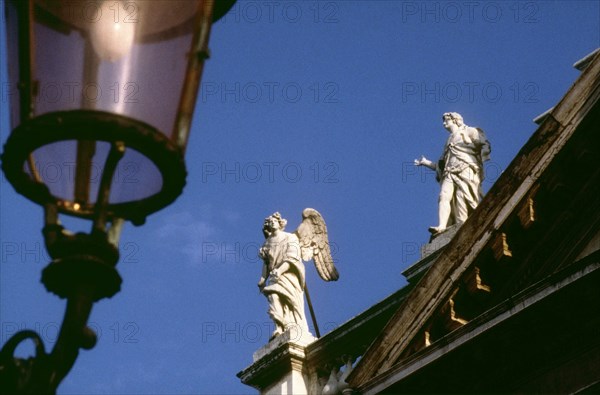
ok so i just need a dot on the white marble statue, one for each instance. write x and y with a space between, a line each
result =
282 280
459 171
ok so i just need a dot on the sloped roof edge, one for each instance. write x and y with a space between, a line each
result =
512 186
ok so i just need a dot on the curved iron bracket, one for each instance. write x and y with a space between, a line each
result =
24 376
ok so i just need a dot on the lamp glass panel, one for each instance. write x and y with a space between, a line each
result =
124 57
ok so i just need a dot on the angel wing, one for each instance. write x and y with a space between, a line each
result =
314 244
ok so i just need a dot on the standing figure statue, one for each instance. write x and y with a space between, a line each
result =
459 171
283 280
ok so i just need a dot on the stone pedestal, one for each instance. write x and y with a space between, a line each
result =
429 252
439 241
280 366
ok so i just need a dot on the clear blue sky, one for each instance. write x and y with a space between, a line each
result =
304 104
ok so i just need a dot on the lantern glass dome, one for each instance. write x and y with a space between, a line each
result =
87 74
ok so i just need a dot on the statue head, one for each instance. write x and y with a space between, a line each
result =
272 223
454 117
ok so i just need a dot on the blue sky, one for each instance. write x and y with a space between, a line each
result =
303 104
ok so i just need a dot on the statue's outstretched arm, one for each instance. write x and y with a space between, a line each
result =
426 162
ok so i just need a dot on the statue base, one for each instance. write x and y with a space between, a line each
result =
439 240
291 335
429 252
279 367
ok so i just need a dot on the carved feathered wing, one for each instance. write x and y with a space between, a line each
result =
314 244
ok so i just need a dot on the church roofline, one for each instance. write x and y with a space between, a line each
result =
483 229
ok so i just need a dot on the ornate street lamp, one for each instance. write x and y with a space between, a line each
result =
102 86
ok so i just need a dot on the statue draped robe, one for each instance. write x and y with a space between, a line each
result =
461 168
287 308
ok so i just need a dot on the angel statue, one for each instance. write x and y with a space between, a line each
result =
282 280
